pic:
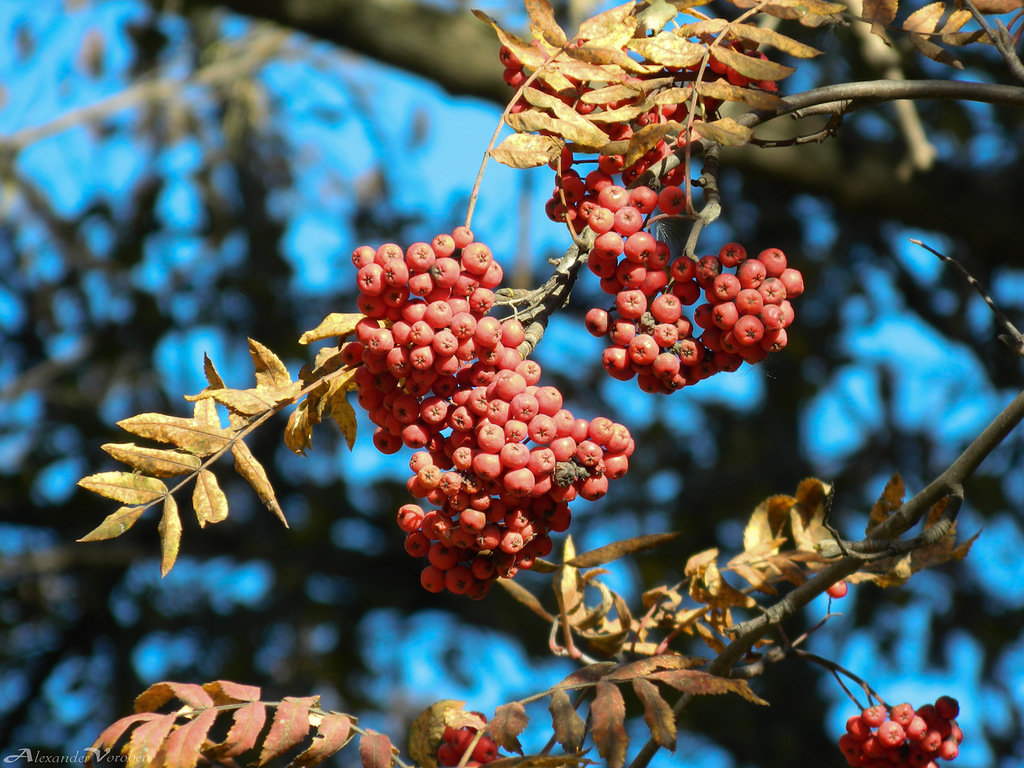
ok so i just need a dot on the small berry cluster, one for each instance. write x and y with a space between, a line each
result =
744 315
455 741
497 454
903 737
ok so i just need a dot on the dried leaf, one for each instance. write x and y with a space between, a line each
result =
751 66
182 748
666 49
375 750
146 741
657 713
567 122
924 22
204 413
508 722
881 14
248 467
541 761
610 93
159 694
289 726
527 150
890 500
170 535
699 683
608 713
227 692
768 36
298 434
340 324
114 524
611 28
767 522
245 730
526 597
543 24
725 131
708 586
427 731
245 402
646 138
125 487
344 416
208 500
333 733
271 373
569 727
155 462
617 549
720 89
644 667
185 433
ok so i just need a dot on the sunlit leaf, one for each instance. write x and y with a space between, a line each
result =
228 692
170 535
289 726
208 500
271 373
156 462
543 24
249 468
246 727
720 89
113 732
609 28
767 521
125 487
339 324
333 733
427 731
114 524
768 36
667 49
184 433
725 131
344 416
527 150
159 694
880 13
647 138
182 748
751 66
890 500
644 667
245 402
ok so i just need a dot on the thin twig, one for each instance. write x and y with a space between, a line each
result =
1000 38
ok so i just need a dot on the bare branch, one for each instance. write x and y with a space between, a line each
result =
1001 40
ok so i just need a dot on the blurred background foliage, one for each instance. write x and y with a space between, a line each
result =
178 176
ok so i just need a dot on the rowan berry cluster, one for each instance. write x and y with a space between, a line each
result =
903 737
497 454
455 742
743 317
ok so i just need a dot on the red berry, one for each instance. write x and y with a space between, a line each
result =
837 591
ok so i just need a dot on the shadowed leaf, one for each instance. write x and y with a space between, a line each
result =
657 713
526 597
644 667
617 549
159 694
608 712
227 692
890 500
699 683
375 750
344 416
508 722
289 726
527 150
725 131
568 726
881 14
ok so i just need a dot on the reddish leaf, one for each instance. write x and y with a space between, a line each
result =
657 713
148 739
703 684
245 730
644 667
227 692
609 713
375 750
112 733
159 694
333 733
289 727
568 725
508 722
183 745
888 502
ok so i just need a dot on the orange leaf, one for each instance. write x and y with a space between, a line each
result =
159 694
147 741
333 733
227 692
289 727
245 730
113 732
183 746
